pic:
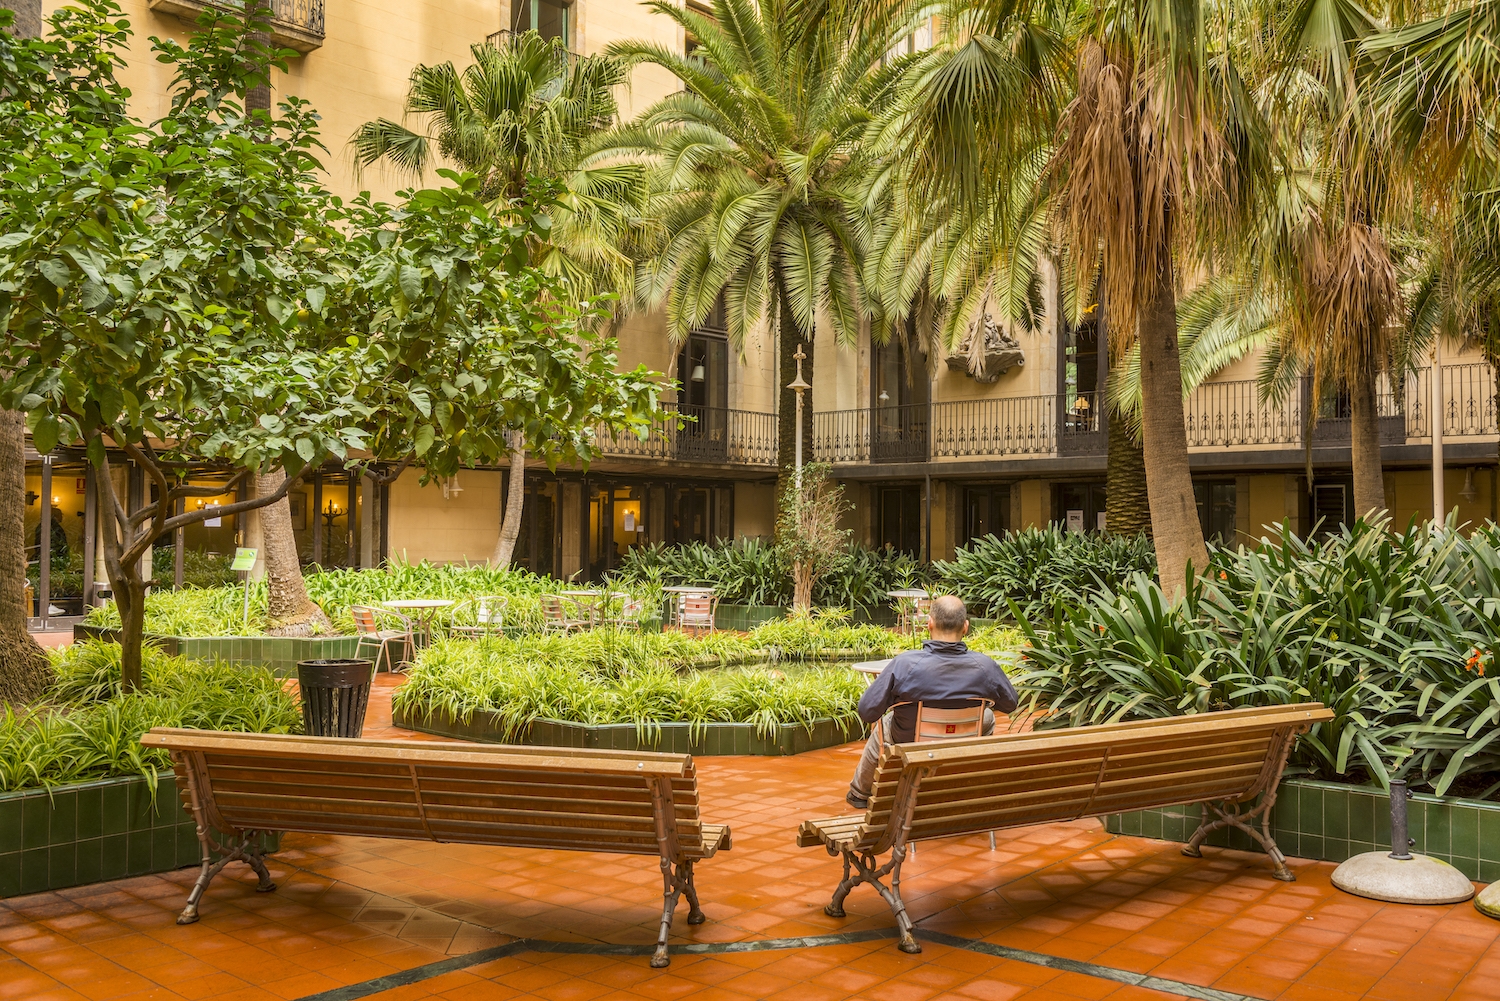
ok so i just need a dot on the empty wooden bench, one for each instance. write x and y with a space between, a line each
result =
1222 760
238 785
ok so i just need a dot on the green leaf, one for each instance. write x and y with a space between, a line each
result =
56 272
422 440
44 435
306 449
411 283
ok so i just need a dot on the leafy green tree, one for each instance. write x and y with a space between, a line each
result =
185 294
754 167
525 108
24 668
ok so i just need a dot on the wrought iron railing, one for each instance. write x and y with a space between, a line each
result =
1233 413
304 14
1469 402
1226 414
698 434
1013 425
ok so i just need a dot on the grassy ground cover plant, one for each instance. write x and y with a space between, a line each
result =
89 729
1395 631
633 684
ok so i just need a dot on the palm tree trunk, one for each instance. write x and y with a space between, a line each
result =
515 500
25 671
1169 483
1364 444
1127 500
290 611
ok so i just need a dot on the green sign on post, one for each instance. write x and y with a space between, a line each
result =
244 562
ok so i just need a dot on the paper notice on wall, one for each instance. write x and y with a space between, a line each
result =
629 521
1101 521
1075 520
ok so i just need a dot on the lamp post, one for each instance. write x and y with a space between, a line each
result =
1435 418
798 386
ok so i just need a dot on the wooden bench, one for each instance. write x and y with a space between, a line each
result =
238 785
1222 760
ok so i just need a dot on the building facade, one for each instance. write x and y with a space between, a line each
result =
933 454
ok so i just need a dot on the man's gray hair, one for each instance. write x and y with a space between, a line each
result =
948 614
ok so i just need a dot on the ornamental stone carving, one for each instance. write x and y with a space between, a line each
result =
998 354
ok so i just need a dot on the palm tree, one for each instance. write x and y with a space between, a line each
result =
1437 79
525 109
1157 152
753 167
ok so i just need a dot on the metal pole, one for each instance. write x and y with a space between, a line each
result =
798 386
1400 839
798 463
44 547
1435 417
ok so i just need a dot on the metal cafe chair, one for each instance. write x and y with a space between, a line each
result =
367 623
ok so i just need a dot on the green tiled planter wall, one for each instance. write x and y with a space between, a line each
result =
1332 822
715 738
279 653
744 618
92 831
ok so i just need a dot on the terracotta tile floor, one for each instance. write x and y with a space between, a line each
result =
351 910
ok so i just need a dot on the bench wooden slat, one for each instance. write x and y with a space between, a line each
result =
619 802
972 785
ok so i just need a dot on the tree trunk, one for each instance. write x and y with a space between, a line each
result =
1364 445
1127 503
515 502
1174 511
802 585
289 611
130 600
25 671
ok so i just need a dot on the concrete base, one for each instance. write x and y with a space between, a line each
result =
1488 901
1418 880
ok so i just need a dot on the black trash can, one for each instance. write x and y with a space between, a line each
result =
335 695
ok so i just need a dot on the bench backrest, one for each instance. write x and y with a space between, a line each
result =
633 802
969 786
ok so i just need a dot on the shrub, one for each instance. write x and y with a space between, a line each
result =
826 635
89 730
1395 632
1037 567
751 572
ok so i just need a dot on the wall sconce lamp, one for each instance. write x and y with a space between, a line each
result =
698 373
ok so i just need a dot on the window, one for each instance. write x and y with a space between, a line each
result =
1081 377
899 398
1217 510
548 18
1330 508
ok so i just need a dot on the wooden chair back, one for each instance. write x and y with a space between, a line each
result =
970 786
590 800
951 724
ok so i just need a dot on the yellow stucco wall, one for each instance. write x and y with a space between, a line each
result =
1409 494
360 72
461 529
755 510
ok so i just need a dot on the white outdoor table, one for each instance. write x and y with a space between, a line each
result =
421 609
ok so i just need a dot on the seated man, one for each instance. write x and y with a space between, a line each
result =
944 674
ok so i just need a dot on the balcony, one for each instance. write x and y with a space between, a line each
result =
295 24
1217 416
716 435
